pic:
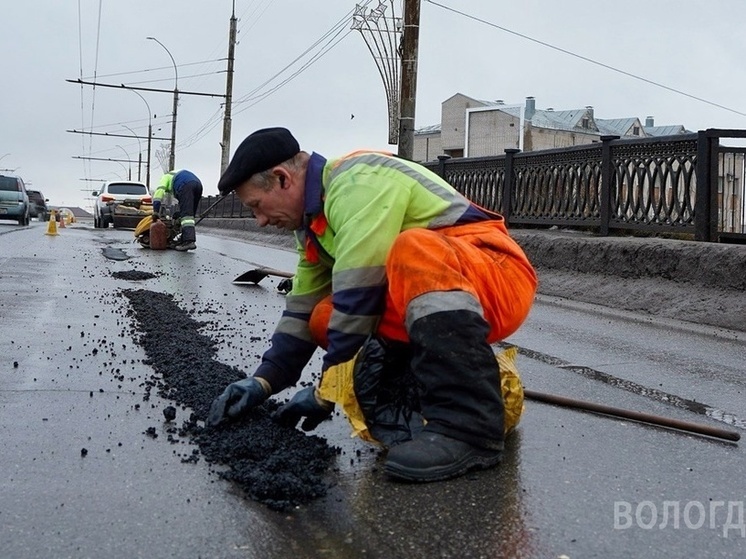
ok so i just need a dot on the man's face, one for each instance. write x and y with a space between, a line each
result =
281 205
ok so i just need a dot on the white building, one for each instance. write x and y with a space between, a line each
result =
473 128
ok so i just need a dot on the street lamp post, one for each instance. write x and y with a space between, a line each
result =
172 158
129 161
139 153
123 167
150 135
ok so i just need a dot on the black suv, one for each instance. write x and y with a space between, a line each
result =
38 205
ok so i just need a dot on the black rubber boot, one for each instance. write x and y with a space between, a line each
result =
434 457
386 391
460 398
188 238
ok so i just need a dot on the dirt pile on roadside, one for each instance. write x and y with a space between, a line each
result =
278 466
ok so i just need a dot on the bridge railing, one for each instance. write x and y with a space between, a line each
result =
688 184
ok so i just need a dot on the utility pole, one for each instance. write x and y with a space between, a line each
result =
225 145
410 40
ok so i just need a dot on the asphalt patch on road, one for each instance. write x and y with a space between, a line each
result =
275 465
133 275
115 254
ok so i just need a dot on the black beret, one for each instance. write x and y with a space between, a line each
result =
260 151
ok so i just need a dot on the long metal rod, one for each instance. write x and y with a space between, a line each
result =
633 415
204 214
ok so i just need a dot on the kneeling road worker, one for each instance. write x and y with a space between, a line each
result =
393 252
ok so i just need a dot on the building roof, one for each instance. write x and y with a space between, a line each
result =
432 129
76 210
670 130
560 120
616 126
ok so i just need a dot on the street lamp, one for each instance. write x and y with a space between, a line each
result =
139 152
150 135
5 155
123 167
129 160
172 158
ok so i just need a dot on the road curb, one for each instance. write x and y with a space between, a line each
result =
694 282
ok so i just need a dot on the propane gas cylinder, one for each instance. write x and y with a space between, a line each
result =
158 235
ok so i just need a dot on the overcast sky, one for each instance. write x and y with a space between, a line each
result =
326 74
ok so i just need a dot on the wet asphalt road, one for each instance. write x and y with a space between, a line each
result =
572 484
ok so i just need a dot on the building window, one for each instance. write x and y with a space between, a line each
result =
635 130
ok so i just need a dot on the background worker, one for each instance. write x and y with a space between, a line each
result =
188 191
405 257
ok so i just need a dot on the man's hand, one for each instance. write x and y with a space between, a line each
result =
237 399
305 403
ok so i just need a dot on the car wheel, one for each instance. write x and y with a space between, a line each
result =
96 222
104 222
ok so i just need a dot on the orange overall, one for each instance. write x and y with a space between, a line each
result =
478 258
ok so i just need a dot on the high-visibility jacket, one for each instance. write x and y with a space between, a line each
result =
355 208
171 183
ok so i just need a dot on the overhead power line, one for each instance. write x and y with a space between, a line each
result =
323 45
586 59
132 72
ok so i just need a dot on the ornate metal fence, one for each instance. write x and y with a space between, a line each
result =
687 184
683 184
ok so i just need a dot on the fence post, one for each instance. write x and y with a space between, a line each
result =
607 180
233 205
508 184
705 201
442 165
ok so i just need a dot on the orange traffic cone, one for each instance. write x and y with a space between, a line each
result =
52 225
62 221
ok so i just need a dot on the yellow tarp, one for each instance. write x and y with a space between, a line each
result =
336 386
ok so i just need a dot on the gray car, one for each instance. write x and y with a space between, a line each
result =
14 202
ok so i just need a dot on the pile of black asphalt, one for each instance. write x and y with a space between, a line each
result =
275 465
133 275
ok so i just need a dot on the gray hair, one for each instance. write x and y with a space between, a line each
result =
264 180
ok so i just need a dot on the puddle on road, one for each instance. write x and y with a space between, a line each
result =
115 254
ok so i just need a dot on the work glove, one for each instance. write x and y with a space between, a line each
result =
285 286
305 403
237 399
